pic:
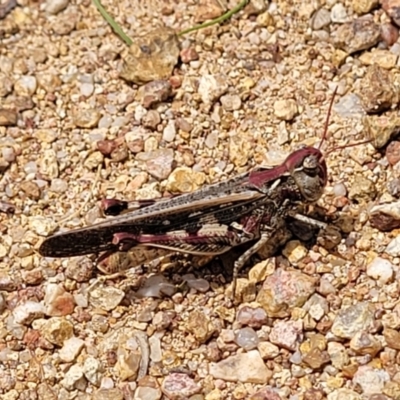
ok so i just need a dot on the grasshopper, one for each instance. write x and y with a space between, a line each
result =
249 207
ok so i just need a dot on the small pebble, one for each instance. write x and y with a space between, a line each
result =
189 54
31 189
381 270
71 349
357 35
55 6
42 226
106 298
212 87
105 121
393 248
6 85
8 117
74 379
339 189
57 330
86 89
151 119
265 19
154 92
212 140
156 286
353 319
158 162
268 350
371 380
393 187
253 317
201 285
231 102
339 13
247 338
151 57
58 185
86 118
285 109
58 302
295 251
287 334
176 385
284 290
93 370
26 85
243 367
364 6
321 19
393 152
27 312
169 131
389 33
365 343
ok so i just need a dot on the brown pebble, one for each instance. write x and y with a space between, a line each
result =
86 118
8 117
392 338
62 305
340 201
393 187
119 154
254 317
389 33
384 222
266 394
314 394
154 92
392 9
151 120
80 270
167 10
175 81
393 152
31 338
33 277
183 125
136 145
106 147
31 189
188 55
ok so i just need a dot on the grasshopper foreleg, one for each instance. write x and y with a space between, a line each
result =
308 220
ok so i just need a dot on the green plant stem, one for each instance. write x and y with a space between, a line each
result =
117 29
218 20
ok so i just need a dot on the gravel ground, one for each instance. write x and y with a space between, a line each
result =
82 117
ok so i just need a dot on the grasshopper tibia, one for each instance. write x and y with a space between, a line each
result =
241 261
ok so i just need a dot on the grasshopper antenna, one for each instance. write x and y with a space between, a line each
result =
326 130
328 118
345 146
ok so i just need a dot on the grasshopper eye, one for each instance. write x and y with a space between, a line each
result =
310 163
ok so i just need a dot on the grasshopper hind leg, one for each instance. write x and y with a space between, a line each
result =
241 261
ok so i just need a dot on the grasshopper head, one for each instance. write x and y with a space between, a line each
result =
308 169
